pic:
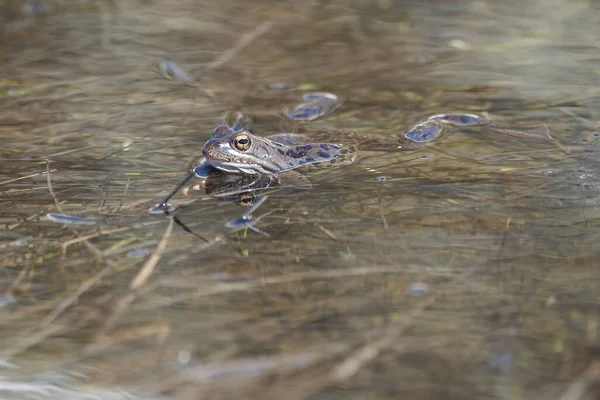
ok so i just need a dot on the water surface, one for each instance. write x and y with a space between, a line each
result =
470 271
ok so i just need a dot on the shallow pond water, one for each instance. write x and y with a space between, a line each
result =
465 269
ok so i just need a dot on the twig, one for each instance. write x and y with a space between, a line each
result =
244 41
84 287
81 238
386 227
18 279
145 272
138 281
17 224
580 389
218 288
32 340
327 232
25 177
369 351
58 206
124 195
253 368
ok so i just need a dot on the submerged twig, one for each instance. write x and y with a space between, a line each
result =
386 228
371 350
49 181
25 177
244 41
584 385
137 282
84 287
148 267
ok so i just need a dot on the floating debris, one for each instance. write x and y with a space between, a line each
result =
67 219
418 289
424 132
159 209
460 119
170 70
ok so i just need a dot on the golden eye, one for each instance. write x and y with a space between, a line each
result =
242 142
246 199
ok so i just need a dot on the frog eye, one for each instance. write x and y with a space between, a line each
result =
246 199
242 142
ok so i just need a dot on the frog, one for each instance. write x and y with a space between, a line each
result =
241 152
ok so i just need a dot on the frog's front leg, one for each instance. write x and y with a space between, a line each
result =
293 178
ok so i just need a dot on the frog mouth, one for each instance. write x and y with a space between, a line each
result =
236 167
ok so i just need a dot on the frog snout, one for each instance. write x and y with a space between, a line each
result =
209 147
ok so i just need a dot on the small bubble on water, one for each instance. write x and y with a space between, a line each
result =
184 357
418 289
383 179
459 44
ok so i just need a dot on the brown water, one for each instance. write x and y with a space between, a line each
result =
469 273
